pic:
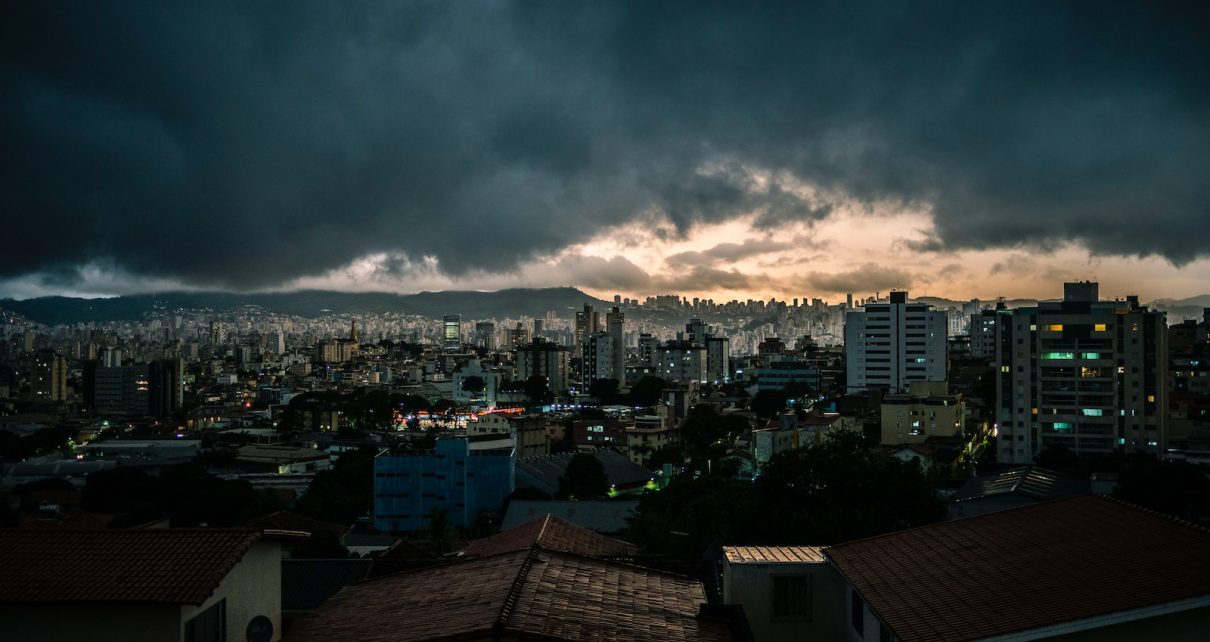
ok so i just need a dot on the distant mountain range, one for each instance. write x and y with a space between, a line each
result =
309 303
511 303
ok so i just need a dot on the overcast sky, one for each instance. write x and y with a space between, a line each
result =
957 149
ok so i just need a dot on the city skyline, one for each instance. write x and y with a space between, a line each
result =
954 151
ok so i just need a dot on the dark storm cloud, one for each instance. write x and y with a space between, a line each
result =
243 144
730 252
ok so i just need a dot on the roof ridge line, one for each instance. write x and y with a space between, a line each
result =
542 531
1155 513
514 591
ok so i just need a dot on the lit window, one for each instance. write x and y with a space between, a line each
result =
1098 327
1150 398
1091 412
1062 425
1058 355
1055 327
1090 355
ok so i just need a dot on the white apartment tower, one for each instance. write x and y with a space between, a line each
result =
889 345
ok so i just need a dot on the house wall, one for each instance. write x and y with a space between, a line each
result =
751 585
75 622
252 588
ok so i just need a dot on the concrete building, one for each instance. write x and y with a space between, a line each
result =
485 335
928 410
183 585
1086 374
599 359
889 345
48 376
461 476
789 593
545 359
615 322
718 360
120 391
681 361
451 333
588 321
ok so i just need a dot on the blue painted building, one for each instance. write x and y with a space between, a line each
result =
459 475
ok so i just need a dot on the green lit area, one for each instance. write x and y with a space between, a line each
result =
1090 355
1062 425
1092 412
1058 355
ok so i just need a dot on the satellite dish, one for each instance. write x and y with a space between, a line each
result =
260 629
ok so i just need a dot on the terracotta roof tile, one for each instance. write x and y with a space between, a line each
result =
525 594
1025 568
554 534
772 554
177 566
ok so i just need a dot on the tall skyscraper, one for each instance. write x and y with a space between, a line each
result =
166 391
485 335
48 376
889 345
451 337
588 321
616 321
1082 373
545 359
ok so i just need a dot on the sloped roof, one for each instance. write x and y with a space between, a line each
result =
306 584
772 554
525 594
543 471
1031 481
176 566
600 515
1026 568
553 534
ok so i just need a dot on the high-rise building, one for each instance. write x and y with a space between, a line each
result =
718 360
588 321
1081 373
120 391
165 393
485 335
459 476
889 345
598 358
615 321
516 337
451 336
681 361
48 376
545 359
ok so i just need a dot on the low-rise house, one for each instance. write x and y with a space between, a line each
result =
189 585
283 460
787 592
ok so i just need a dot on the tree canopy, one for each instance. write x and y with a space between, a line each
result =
839 490
584 478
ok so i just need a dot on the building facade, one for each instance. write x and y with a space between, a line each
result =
889 345
1082 373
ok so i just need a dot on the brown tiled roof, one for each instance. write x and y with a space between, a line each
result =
554 534
177 566
529 594
1026 568
772 554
